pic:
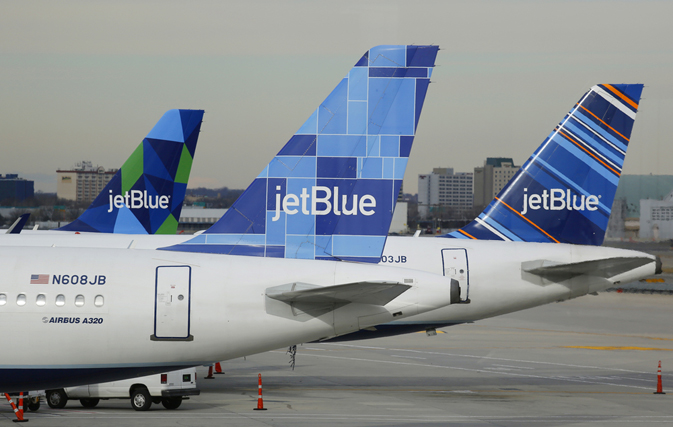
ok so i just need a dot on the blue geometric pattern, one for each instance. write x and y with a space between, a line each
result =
145 196
564 192
330 192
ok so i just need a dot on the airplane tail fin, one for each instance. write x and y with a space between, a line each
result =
564 192
18 225
331 190
145 196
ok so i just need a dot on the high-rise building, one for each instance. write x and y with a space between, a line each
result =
444 188
83 182
15 188
491 178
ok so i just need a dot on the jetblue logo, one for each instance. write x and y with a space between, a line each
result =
323 201
138 199
558 199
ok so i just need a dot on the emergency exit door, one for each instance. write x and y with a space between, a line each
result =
456 267
172 304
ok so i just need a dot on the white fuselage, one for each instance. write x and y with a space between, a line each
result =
493 267
497 284
109 309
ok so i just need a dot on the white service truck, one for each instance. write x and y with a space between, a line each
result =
169 389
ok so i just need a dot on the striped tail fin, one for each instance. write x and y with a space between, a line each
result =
331 190
145 196
564 192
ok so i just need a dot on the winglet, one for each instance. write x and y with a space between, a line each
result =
331 190
145 196
564 192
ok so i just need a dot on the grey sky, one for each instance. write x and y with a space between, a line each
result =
86 80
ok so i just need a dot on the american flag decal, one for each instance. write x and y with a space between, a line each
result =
39 279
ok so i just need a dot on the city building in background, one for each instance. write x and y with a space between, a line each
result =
83 182
643 208
15 188
491 178
443 192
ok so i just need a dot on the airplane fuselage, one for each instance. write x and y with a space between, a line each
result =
494 280
76 316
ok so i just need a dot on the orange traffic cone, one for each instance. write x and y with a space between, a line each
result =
660 389
18 412
210 373
218 369
260 402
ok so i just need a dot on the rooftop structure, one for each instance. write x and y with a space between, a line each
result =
83 182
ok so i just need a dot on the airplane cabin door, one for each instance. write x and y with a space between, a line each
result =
456 266
172 304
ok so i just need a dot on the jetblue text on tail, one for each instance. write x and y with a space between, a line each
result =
138 200
329 202
558 199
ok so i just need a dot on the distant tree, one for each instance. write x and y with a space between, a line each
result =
218 198
16 213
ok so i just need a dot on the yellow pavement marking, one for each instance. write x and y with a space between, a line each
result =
655 280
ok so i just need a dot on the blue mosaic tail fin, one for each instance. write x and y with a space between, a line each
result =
564 192
145 196
331 190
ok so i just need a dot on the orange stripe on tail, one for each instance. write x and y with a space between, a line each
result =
531 222
622 96
588 152
467 234
597 118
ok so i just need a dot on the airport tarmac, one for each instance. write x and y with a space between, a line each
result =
590 361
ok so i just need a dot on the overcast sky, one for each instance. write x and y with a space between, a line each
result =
87 80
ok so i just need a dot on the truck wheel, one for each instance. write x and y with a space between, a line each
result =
34 404
172 402
141 399
89 403
56 399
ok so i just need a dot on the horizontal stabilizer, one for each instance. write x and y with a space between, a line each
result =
375 293
606 268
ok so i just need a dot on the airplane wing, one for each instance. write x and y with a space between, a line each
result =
372 292
606 268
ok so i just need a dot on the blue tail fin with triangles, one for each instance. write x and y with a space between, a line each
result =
145 196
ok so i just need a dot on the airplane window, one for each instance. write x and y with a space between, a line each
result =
3 299
79 300
21 299
41 300
99 301
60 300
